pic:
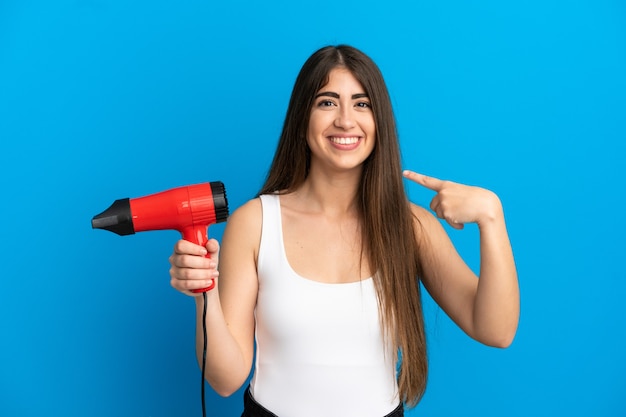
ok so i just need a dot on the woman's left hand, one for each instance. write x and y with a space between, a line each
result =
458 204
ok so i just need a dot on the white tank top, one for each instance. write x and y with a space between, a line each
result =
320 350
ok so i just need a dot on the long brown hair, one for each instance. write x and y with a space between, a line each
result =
387 221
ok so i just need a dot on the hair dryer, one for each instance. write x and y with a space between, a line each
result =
189 209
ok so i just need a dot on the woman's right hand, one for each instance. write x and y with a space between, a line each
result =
191 268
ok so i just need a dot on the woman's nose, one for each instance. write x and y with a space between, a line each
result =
345 118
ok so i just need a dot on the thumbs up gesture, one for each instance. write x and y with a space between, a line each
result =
458 204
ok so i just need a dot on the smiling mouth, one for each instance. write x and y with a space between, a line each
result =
344 141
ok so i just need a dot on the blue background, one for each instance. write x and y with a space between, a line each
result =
101 100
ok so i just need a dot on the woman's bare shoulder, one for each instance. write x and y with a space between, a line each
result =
422 215
246 218
429 231
240 244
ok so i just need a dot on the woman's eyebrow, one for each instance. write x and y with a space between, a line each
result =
335 95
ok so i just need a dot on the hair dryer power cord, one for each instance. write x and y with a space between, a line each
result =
202 383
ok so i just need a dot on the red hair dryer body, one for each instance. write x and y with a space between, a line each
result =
190 210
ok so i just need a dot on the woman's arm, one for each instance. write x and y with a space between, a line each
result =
485 307
230 305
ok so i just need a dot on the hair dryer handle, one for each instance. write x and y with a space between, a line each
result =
198 234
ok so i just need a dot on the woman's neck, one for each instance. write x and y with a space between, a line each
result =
334 194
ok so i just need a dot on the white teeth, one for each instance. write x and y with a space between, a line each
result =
345 141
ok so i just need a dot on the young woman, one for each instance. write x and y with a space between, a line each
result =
323 269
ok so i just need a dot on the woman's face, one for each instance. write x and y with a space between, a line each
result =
342 132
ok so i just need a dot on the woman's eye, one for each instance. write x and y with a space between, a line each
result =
325 103
364 105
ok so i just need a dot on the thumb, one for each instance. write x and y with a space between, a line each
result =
431 183
213 247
